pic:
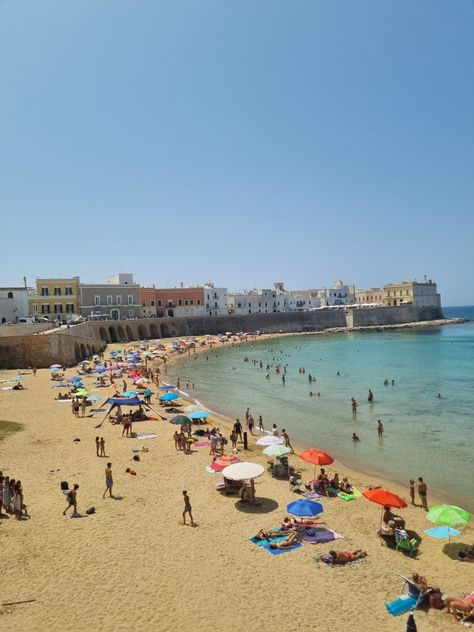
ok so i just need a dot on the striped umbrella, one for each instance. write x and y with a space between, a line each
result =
223 461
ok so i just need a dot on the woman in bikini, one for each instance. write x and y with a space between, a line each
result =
343 557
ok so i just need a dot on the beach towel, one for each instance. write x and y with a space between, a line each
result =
274 538
355 494
401 605
295 546
146 435
61 401
312 495
317 536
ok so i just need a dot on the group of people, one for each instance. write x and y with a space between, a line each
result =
325 486
11 497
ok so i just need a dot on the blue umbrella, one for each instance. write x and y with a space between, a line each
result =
198 414
100 369
93 398
167 387
304 507
169 396
129 393
74 378
18 378
60 385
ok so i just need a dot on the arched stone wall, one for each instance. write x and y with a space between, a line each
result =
88 349
113 334
77 352
121 333
83 351
129 332
142 334
103 334
165 330
154 332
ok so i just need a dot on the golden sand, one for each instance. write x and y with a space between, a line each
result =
134 566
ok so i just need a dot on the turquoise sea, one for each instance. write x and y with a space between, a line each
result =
424 435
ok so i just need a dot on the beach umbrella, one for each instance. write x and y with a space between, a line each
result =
180 420
84 362
18 378
304 507
223 461
198 414
60 385
81 392
129 393
243 471
276 450
169 397
168 387
448 516
56 366
385 498
317 457
93 398
270 440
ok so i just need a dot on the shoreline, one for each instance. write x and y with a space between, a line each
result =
350 467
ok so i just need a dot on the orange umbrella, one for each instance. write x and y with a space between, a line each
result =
223 461
385 498
318 457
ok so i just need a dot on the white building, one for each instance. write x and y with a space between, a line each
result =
215 300
255 302
13 304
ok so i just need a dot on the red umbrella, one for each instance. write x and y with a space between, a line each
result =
223 461
318 457
385 498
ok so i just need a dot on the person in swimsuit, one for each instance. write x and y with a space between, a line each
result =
343 557
72 499
285 544
454 605
422 493
97 446
109 481
187 508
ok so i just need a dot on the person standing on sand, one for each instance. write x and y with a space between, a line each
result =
422 493
34 371
250 424
187 508
97 446
109 481
72 499
412 491
102 446
286 439
380 428
238 429
260 424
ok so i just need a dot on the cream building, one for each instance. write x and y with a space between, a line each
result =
55 299
417 293
373 296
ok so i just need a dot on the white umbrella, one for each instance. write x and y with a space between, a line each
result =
276 450
270 440
243 471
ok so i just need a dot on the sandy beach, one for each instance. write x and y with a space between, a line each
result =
133 565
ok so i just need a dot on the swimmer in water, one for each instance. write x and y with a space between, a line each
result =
355 437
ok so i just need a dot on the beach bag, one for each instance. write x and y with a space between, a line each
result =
90 511
64 486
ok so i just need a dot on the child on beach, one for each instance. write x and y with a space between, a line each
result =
412 491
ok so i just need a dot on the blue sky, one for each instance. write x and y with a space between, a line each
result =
241 142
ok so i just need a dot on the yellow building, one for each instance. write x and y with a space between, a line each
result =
418 293
55 299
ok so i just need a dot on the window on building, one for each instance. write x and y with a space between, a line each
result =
44 291
130 299
96 300
118 299
152 303
186 302
159 302
45 309
215 294
58 308
130 312
69 308
109 300
198 302
170 303
215 304
191 302
180 302
10 295
57 291
208 297
239 304
68 291
35 308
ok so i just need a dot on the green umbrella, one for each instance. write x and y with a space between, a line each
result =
448 516
82 392
276 450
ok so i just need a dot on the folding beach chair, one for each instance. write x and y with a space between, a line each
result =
404 542
410 600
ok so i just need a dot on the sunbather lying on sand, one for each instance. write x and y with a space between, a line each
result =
456 605
285 544
343 557
291 523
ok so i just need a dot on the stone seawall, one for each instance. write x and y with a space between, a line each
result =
69 346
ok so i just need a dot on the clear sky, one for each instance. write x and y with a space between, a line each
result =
243 142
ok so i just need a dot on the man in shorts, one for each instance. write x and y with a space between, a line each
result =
109 481
187 508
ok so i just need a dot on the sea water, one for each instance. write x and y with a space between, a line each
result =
424 435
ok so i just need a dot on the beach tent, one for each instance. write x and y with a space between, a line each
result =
123 401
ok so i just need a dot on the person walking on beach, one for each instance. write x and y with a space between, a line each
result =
109 481
286 439
422 493
380 428
187 508
72 499
260 424
412 491
238 429
250 424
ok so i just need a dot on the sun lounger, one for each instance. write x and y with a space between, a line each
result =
408 601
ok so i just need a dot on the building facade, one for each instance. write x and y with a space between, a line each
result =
117 298
13 304
417 293
203 300
373 296
56 299
254 302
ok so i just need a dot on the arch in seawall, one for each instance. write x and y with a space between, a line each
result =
77 352
88 349
113 334
154 332
103 334
93 349
142 335
121 333
129 332
165 330
83 350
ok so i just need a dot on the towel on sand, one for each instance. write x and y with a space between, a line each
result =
295 546
316 536
274 538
